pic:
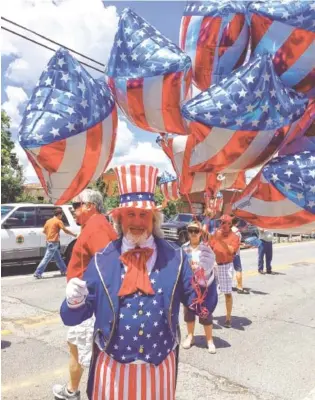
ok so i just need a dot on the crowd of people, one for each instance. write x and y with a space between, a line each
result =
125 284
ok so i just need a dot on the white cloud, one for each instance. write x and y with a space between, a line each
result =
16 97
144 153
124 138
85 26
28 170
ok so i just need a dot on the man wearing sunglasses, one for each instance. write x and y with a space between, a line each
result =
225 245
95 235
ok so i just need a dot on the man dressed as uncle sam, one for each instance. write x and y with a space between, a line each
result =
134 287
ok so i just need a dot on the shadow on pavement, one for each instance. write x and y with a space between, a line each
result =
200 341
257 292
238 323
5 344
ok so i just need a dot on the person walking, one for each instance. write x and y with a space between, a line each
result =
237 263
225 244
265 251
96 233
134 287
52 229
193 249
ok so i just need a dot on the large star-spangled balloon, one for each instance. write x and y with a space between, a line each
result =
282 196
303 137
286 30
68 129
215 35
241 122
150 76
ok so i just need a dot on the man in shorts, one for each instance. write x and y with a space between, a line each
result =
96 234
225 245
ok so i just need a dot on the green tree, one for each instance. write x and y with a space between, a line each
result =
11 171
172 206
111 202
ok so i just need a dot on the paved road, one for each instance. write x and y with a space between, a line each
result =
268 355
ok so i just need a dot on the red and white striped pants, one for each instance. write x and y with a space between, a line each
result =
116 381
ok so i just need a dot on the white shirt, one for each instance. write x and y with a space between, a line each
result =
127 245
265 235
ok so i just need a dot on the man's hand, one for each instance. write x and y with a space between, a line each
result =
76 292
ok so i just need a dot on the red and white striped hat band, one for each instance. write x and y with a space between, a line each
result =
136 184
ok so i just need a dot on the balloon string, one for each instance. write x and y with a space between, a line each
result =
201 310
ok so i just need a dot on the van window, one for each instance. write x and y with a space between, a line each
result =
24 217
45 213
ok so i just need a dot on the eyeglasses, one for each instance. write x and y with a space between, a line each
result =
195 231
226 223
76 205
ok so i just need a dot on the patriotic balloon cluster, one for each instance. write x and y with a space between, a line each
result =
69 127
254 63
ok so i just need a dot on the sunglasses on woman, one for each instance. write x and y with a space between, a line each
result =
195 231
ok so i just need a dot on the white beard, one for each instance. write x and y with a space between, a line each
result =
137 240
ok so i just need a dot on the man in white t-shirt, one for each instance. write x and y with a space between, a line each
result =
265 250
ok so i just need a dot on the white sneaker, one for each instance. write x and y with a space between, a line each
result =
188 342
211 347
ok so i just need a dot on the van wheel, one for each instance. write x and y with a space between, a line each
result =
68 252
182 237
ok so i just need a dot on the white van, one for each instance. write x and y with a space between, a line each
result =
22 239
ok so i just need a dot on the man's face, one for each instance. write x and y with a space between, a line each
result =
226 226
137 224
83 211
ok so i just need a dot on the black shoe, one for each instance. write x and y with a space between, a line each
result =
38 276
227 324
63 273
269 272
260 271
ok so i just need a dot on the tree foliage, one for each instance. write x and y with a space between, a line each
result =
171 207
11 171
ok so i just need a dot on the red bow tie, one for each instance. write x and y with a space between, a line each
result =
136 277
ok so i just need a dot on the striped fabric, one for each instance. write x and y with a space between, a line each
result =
215 38
303 134
149 76
68 130
116 381
136 185
271 202
226 150
286 32
66 167
170 190
190 182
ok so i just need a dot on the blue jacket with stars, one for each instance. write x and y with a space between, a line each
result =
103 277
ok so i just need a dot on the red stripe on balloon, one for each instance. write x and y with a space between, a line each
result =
259 26
292 49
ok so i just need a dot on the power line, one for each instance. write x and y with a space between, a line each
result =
46 47
52 41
